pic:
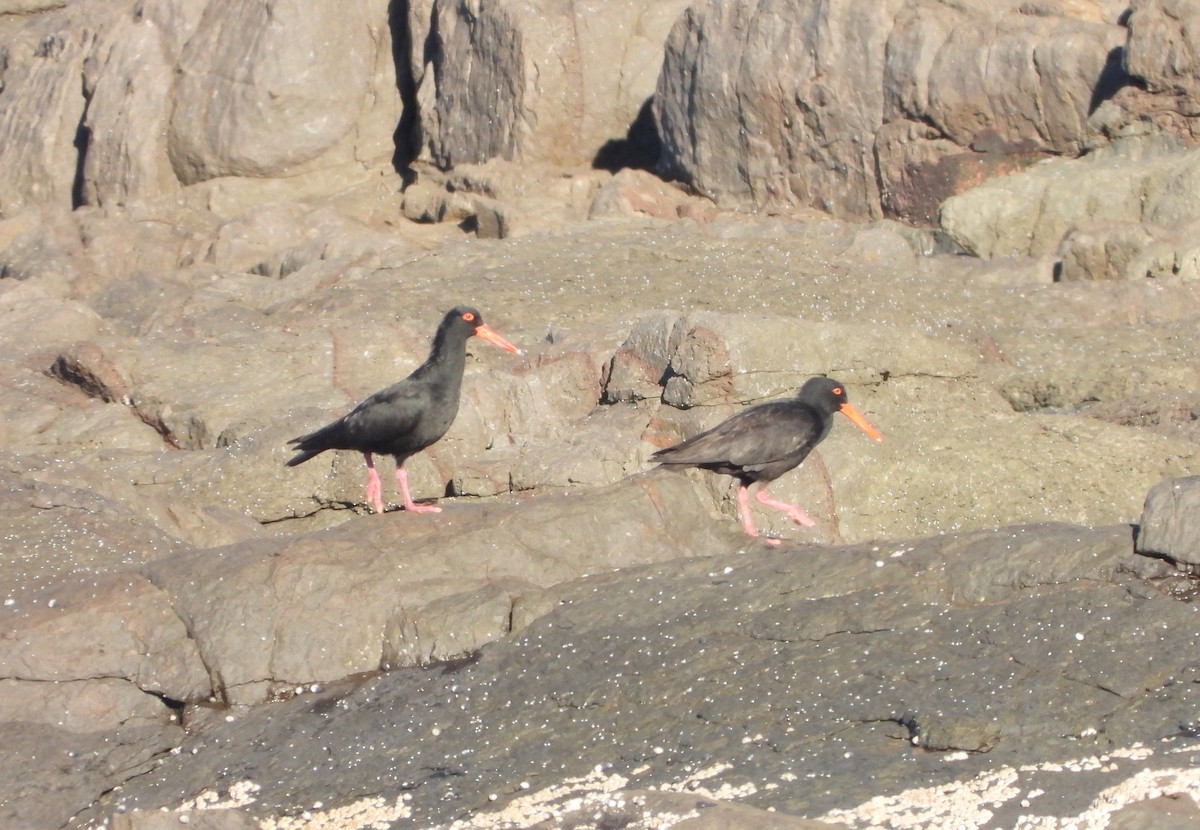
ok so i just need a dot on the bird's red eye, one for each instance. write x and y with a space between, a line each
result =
837 390
469 316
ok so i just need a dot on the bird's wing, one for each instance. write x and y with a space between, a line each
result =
391 411
395 410
751 438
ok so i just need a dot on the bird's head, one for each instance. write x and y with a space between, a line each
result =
469 322
828 395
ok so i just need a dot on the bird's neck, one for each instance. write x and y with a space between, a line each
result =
445 364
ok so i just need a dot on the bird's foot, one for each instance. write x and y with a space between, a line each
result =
801 518
413 507
409 504
792 511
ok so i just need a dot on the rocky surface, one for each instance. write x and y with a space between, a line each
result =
1168 525
808 679
221 224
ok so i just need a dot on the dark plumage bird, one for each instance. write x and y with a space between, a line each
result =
763 442
408 416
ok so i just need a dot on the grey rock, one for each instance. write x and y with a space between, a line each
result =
130 84
43 243
52 774
1136 180
707 365
26 6
43 105
1130 251
638 193
1172 812
541 82
205 818
1158 29
749 671
66 523
1168 413
799 106
638 369
729 134
111 626
229 111
1104 251
1170 524
100 704
391 591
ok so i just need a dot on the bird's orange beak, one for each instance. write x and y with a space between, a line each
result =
861 422
485 333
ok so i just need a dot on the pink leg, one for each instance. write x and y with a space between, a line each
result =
743 498
374 488
402 481
792 511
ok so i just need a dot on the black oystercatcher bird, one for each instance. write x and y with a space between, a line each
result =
408 416
763 442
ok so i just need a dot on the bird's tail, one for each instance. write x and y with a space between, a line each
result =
301 457
306 447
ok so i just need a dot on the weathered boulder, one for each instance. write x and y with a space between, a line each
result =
854 107
129 81
1028 213
746 141
542 82
1100 208
114 626
1170 524
271 615
321 77
637 193
1161 55
43 103
108 104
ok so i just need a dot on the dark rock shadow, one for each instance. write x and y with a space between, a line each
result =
1112 78
640 148
83 141
406 137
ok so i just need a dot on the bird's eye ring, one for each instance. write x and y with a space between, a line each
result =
837 390
468 316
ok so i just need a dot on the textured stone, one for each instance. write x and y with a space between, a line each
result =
550 81
42 107
1170 524
816 103
270 615
742 674
309 74
1030 212
113 626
